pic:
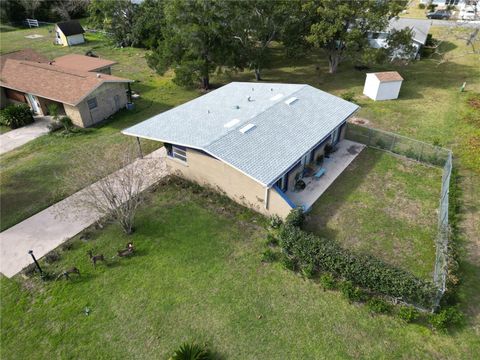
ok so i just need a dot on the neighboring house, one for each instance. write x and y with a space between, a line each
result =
86 97
383 85
252 141
420 29
69 33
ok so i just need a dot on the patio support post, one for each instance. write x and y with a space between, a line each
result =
267 193
139 148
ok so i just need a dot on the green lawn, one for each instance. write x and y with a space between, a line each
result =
384 206
197 275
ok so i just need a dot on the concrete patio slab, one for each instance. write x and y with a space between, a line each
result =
18 137
49 228
346 152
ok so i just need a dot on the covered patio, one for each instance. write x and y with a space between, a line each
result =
346 151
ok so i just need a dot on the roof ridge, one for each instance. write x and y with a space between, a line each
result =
49 67
256 115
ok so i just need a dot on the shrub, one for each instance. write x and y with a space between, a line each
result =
15 116
54 126
365 271
351 292
192 351
269 256
378 305
288 262
53 110
348 96
308 270
421 6
446 318
275 222
271 240
408 313
52 257
66 122
295 218
328 282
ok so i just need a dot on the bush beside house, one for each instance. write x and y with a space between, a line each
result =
15 116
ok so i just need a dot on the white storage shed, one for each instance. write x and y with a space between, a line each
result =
383 85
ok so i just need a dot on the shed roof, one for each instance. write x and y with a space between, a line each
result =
420 28
71 27
288 120
52 82
82 62
387 76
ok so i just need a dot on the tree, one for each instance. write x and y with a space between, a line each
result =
30 6
116 17
198 40
148 24
257 23
118 193
341 27
66 8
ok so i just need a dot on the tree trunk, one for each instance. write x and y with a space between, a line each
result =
205 83
333 61
257 74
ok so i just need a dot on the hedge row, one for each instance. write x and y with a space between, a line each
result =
15 116
307 251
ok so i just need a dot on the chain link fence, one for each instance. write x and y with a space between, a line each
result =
425 153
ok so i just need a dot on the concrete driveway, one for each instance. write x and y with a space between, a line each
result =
49 228
18 137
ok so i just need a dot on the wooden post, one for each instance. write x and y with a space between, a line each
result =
139 148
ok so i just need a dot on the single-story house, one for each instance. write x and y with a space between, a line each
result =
383 85
420 29
251 141
86 97
68 33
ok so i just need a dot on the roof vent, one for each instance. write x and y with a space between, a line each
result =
291 100
276 97
231 123
249 99
247 128
99 76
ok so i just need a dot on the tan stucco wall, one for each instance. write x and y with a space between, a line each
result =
214 173
82 116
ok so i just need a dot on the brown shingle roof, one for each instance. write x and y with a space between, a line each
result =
52 82
82 62
388 76
25 54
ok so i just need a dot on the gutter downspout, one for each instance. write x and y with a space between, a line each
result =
267 195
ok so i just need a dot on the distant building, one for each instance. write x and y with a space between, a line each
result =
69 33
383 85
420 29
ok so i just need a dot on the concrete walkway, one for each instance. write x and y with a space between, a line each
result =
18 137
49 228
346 152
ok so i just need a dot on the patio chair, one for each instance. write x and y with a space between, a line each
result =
320 173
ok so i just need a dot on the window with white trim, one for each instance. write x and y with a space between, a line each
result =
92 103
179 153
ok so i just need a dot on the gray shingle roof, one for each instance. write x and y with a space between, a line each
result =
420 28
281 136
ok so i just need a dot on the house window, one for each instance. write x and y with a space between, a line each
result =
179 153
92 103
